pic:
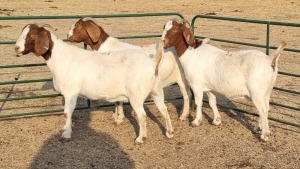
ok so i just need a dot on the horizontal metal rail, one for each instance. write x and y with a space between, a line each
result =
248 44
244 20
30 97
25 81
92 16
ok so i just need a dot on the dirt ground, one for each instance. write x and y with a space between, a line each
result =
98 143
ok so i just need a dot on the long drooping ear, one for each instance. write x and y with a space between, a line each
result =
42 43
93 31
188 35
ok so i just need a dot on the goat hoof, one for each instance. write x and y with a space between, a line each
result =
195 124
139 141
118 121
170 134
182 118
217 121
114 115
264 138
64 140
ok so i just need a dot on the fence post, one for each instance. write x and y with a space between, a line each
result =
268 39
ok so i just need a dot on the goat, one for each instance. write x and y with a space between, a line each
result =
247 73
111 76
88 31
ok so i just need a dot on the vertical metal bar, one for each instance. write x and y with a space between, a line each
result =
193 24
268 39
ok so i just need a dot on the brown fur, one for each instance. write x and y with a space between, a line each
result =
38 41
92 30
182 38
89 33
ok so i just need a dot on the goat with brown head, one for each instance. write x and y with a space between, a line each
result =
88 31
179 34
36 39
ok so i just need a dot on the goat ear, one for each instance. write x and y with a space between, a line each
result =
42 42
188 35
93 31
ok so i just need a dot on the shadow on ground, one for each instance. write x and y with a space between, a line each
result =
87 149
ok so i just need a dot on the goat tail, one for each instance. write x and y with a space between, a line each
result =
158 57
275 56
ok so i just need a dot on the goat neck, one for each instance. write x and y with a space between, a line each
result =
181 46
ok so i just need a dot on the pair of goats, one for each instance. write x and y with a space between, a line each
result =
121 72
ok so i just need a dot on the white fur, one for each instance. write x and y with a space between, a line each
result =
112 76
70 33
22 38
246 73
170 70
168 26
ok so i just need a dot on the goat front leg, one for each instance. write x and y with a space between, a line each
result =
70 104
213 104
186 93
198 100
118 115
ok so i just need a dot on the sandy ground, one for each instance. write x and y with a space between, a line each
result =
98 143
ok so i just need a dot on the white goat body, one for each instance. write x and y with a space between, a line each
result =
111 76
170 71
233 74
247 73
97 75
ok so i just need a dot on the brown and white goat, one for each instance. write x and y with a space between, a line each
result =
112 76
246 73
88 31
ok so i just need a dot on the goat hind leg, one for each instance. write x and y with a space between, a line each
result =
263 123
141 118
158 97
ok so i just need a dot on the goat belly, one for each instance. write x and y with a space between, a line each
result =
105 97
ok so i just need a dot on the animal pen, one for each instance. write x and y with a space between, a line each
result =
8 94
